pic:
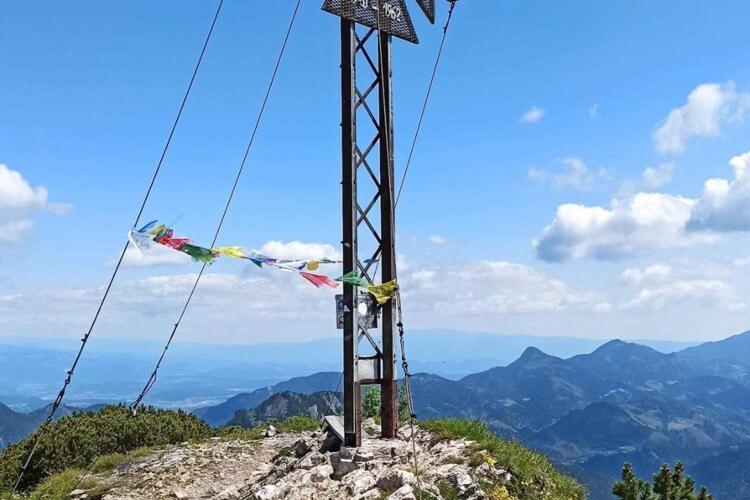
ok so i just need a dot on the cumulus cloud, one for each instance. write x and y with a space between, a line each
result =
436 239
650 274
156 255
15 231
574 175
684 284
493 288
708 108
705 292
225 305
725 205
153 255
645 221
656 177
533 115
17 194
299 250
266 305
19 201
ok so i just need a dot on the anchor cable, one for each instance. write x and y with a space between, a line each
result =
426 100
61 394
152 378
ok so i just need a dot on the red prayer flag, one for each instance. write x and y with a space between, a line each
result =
319 280
175 243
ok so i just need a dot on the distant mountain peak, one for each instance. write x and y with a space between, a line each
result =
532 355
622 347
613 343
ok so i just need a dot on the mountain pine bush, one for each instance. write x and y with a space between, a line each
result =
667 485
76 440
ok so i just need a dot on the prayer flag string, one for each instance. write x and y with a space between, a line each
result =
159 233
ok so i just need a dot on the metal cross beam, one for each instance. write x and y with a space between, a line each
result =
366 58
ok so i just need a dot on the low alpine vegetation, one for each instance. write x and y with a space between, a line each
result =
108 435
534 475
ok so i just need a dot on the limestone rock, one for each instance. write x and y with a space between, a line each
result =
359 481
311 460
268 492
403 493
363 456
300 448
394 479
342 463
290 466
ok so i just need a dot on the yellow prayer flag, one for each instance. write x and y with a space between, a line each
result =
313 265
383 293
161 228
233 252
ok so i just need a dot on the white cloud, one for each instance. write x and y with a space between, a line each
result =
650 274
18 201
269 305
708 108
15 231
17 194
299 250
154 255
656 177
533 115
705 292
725 205
594 111
574 175
436 239
686 283
492 288
60 208
645 221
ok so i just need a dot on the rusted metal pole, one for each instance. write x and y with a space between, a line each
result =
352 423
389 384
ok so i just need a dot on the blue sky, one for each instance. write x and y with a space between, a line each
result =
88 91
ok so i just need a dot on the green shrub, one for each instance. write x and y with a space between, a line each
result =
667 485
240 433
371 402
535 476
298 423
75 441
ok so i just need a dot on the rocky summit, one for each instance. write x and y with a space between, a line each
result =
303 465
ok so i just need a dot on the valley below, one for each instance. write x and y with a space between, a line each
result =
589 413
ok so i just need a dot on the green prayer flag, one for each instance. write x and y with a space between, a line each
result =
353 278
199 253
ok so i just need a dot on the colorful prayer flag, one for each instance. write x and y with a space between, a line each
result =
313 265
141 241
158 231
318 279
383 293
353 278
233 252
148 227
176 243
199 253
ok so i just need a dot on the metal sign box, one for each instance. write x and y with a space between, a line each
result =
368 321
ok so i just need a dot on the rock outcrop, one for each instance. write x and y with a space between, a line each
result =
298 466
